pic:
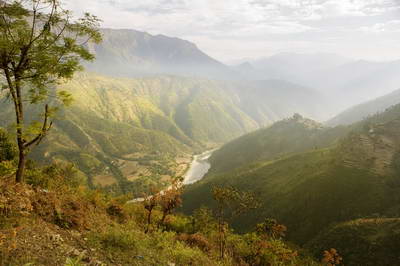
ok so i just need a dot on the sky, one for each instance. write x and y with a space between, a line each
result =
232 30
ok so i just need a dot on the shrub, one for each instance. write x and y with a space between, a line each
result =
195 240
116 211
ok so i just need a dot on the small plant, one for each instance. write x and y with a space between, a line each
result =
74 261
8 243
331 257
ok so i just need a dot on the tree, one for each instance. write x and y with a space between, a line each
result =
150 203
170 200
203 221
270 228
40 46
237 202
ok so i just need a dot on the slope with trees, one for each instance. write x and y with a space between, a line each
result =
310 191
145 127
54 220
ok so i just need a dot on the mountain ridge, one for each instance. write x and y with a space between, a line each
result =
311 189
131 53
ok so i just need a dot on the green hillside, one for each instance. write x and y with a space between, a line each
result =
129 134
53 219
311 190
377 241
293 135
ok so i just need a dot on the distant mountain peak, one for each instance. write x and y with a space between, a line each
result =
132 53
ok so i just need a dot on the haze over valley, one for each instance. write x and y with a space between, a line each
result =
235 133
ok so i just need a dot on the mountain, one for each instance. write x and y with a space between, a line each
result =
358 81
289 136
271 100
129 134
346 82
356 177
362 111
133 53
296 67
130 53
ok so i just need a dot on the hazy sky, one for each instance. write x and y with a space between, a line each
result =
235 29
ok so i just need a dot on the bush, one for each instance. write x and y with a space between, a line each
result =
116 211
195 240
7 149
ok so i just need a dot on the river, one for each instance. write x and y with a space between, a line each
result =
198 168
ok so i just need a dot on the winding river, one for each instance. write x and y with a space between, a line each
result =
198 168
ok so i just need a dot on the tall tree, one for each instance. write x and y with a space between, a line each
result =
235 202
40 46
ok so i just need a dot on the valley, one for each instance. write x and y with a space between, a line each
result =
137 148
127 135
342 174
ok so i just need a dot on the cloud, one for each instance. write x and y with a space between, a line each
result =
392 26
302 24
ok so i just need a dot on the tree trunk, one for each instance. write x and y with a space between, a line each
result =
19 112
19 177
162 221
148 222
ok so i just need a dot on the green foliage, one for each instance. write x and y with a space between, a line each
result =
86 219
7 148
203 221
255 250
371 241
74 262
7 168
55 175
160 248
39 47
8 154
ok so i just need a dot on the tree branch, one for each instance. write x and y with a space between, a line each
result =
43 132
